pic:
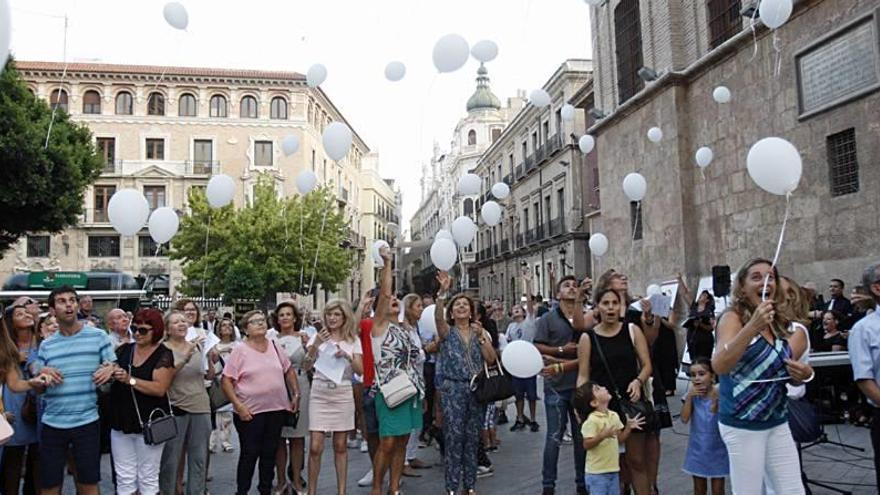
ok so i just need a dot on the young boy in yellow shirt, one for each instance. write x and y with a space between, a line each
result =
603 432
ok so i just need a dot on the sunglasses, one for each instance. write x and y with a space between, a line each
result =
143 330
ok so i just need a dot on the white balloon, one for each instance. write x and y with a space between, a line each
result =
491 213
306 182
721 94
775 13
163 224
290 145
463 230
377 256
128 211
704 156
775 165
485 50
653 290
450 53
539 98
220 191
593 3
444 234
522 359
443 254
567 112
655 135
175 15
395 71
316 75
5 32
598 244
337 140
469 184
635 186
586 143
426 320
500 190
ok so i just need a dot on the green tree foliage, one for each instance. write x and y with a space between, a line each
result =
256 251
42 186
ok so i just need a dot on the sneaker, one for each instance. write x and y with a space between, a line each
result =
364 447
534 426
485 471
502 418
517 425
566 439
354 443
548 491
367 480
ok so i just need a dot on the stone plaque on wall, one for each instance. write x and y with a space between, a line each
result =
839 67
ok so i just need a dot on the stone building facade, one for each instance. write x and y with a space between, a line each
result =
381 202
166 130
818 91
543 218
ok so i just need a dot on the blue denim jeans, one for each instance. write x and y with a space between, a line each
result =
603 484
558 407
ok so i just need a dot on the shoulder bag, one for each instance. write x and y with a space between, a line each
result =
629 408
489 385
156 431
6 430
215 391
291 419
399 389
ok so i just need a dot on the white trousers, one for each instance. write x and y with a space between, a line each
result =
136 463
756 454
412 445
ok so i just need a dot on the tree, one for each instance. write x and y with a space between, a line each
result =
42 186
256 251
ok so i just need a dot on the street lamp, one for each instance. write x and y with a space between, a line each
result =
565 265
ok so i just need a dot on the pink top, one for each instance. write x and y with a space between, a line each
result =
259 377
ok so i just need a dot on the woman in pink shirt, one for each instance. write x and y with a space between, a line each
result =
256 379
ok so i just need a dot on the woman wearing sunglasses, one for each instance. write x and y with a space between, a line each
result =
146 368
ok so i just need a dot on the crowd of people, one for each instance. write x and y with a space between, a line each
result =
163 391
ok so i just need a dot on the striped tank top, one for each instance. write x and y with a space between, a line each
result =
753 395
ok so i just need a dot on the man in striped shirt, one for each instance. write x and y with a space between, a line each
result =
85 359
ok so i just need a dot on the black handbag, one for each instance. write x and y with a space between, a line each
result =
215 391
628 408
803 419
156 431
491 385
291 419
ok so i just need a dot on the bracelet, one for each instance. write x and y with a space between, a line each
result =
443 295
559 368
810 378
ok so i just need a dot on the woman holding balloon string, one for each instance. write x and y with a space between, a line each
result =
464 347
756 355
396 353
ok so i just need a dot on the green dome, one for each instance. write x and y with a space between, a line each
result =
483 98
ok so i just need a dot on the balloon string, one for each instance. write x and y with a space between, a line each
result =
703 173
302 266
60 86
778 54
632 245
205 269
754 32
778 245
318 249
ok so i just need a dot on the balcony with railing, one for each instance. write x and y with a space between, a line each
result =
508 179
176 167
540 155
92 217
112 167
202 167
543 231
519 171
530 164
505 246
520 241
557 227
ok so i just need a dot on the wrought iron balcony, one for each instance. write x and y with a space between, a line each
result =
202 167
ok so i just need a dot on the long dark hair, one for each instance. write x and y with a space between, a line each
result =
8 353
10 326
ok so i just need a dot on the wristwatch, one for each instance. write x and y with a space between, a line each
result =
132 381
561 350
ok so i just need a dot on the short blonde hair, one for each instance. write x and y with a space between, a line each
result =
349 326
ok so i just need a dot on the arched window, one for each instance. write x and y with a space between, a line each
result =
156 104
628 47
468 207
124 103
278 109
472 137
218 106
186 106
91 102
725 20
248 108
58 99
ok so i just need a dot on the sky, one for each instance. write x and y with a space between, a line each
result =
354 39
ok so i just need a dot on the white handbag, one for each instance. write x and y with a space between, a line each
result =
399 389
6 430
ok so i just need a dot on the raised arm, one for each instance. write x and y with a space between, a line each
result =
527 291
584 350
386 291
439 321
